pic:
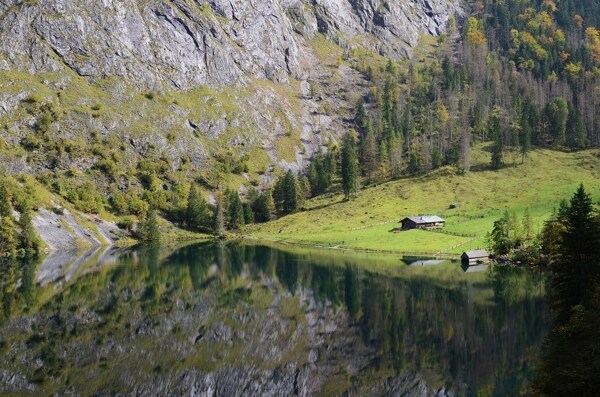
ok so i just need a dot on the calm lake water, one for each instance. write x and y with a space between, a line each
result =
231 319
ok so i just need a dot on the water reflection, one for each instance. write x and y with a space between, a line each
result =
477 334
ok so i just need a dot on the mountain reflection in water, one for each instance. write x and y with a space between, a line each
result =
245 319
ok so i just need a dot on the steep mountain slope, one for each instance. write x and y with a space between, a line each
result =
116 102
91 61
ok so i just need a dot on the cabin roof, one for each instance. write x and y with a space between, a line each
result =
475 254
424 219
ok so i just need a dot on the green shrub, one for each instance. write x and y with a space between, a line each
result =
125 224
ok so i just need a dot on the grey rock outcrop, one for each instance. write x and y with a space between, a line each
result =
204 42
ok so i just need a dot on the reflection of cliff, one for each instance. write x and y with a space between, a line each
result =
250 320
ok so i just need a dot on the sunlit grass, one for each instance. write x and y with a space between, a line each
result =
482 195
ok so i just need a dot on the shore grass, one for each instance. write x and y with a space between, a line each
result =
481 196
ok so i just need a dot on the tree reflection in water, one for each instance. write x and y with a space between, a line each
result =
477 334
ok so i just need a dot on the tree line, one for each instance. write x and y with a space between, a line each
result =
570 361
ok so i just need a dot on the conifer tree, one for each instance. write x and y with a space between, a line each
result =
149 227
576 267
219 220
395 157
8 239
361 115
5 207
555 115
575 129
197 211
235 210
369 152
264 207
248 214
495 133
569 362
349 166
290 193
528 225
29 240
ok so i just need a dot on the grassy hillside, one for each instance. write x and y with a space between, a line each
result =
540 183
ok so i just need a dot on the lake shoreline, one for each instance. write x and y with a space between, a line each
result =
422 255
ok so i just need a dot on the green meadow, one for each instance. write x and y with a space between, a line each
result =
481 196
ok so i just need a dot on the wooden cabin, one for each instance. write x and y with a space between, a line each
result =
474 257
422 222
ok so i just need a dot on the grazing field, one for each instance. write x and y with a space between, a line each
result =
544 179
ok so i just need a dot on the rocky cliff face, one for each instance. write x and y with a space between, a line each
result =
89 90
184 43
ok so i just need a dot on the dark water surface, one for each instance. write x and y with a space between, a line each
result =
243 319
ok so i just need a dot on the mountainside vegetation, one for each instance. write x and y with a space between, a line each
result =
508 76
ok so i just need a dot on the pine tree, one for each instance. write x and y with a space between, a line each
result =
499 239
349 166
149 227
369 152
290 193
29 240
248 214
395 157
465 150
495 133
264 207
8 240
528 225
219 220
235 210
361 115
197 211
569 361
528 123
555 115
576 268
5 207
575 129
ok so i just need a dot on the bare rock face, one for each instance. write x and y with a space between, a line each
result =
185 44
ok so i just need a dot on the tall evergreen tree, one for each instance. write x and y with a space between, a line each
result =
570 362
290 189
197 211
495 133
235 210
528 225
219 220
29 240
149 227
5 207
526 128
369 152
578 264
264 207
575 129
349 166
361 115
395 157
555 115
8 239
248 214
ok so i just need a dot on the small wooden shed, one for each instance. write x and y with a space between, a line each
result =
474 257
422 222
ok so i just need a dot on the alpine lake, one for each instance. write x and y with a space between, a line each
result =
245 319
